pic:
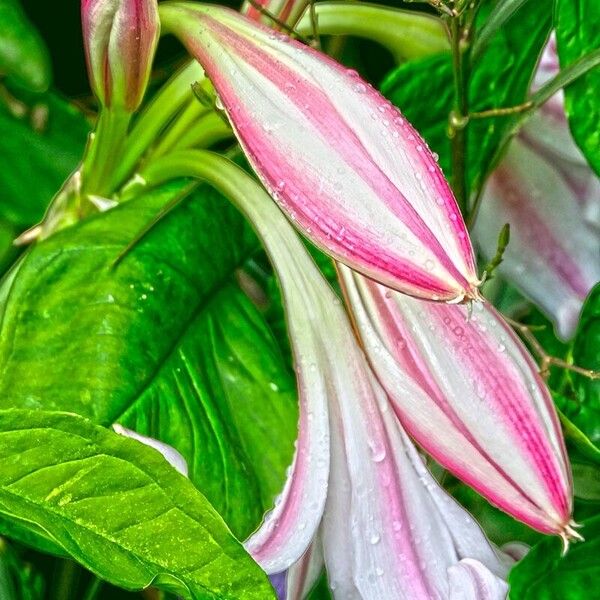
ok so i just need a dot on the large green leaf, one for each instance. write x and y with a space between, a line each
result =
578 33
585 412
23 54
544 574
163 341
119 508
35 163
423 89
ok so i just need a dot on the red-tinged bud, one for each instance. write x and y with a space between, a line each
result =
120 39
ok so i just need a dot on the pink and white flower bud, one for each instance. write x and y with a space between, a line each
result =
340 160
551 197
120 38
466 389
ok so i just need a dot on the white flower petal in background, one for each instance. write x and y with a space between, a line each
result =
170 454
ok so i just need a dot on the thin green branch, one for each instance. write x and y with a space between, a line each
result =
458 119
503 240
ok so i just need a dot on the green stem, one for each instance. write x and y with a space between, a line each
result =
404 33
181 127
94 589
460 113
66 580
167 102
209 130
104 151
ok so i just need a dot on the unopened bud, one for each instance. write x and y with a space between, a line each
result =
120 39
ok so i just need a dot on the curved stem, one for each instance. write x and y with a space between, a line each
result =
405 34
104 151
209 130
164 106
187 120
460 113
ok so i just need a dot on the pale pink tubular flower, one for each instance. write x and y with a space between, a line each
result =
286 11
547 192
388 530
120 38
465 387
339 159
357 488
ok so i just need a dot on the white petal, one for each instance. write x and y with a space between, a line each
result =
470 580
553 256
171 455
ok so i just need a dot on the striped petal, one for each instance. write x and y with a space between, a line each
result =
554 255
469 393
389 530
339 159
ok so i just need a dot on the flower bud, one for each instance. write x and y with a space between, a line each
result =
120 39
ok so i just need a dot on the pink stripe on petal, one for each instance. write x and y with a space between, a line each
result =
335 155
400 530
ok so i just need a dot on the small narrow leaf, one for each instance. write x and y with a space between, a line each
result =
501 13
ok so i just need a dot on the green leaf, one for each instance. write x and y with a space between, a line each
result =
117 507
423 89
163 342
586 353
544 574
500 14
577 34
35 163
585 461
23 54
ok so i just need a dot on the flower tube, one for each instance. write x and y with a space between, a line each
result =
339 159
388 529
468 392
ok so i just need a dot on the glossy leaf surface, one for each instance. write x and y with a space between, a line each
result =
119 508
